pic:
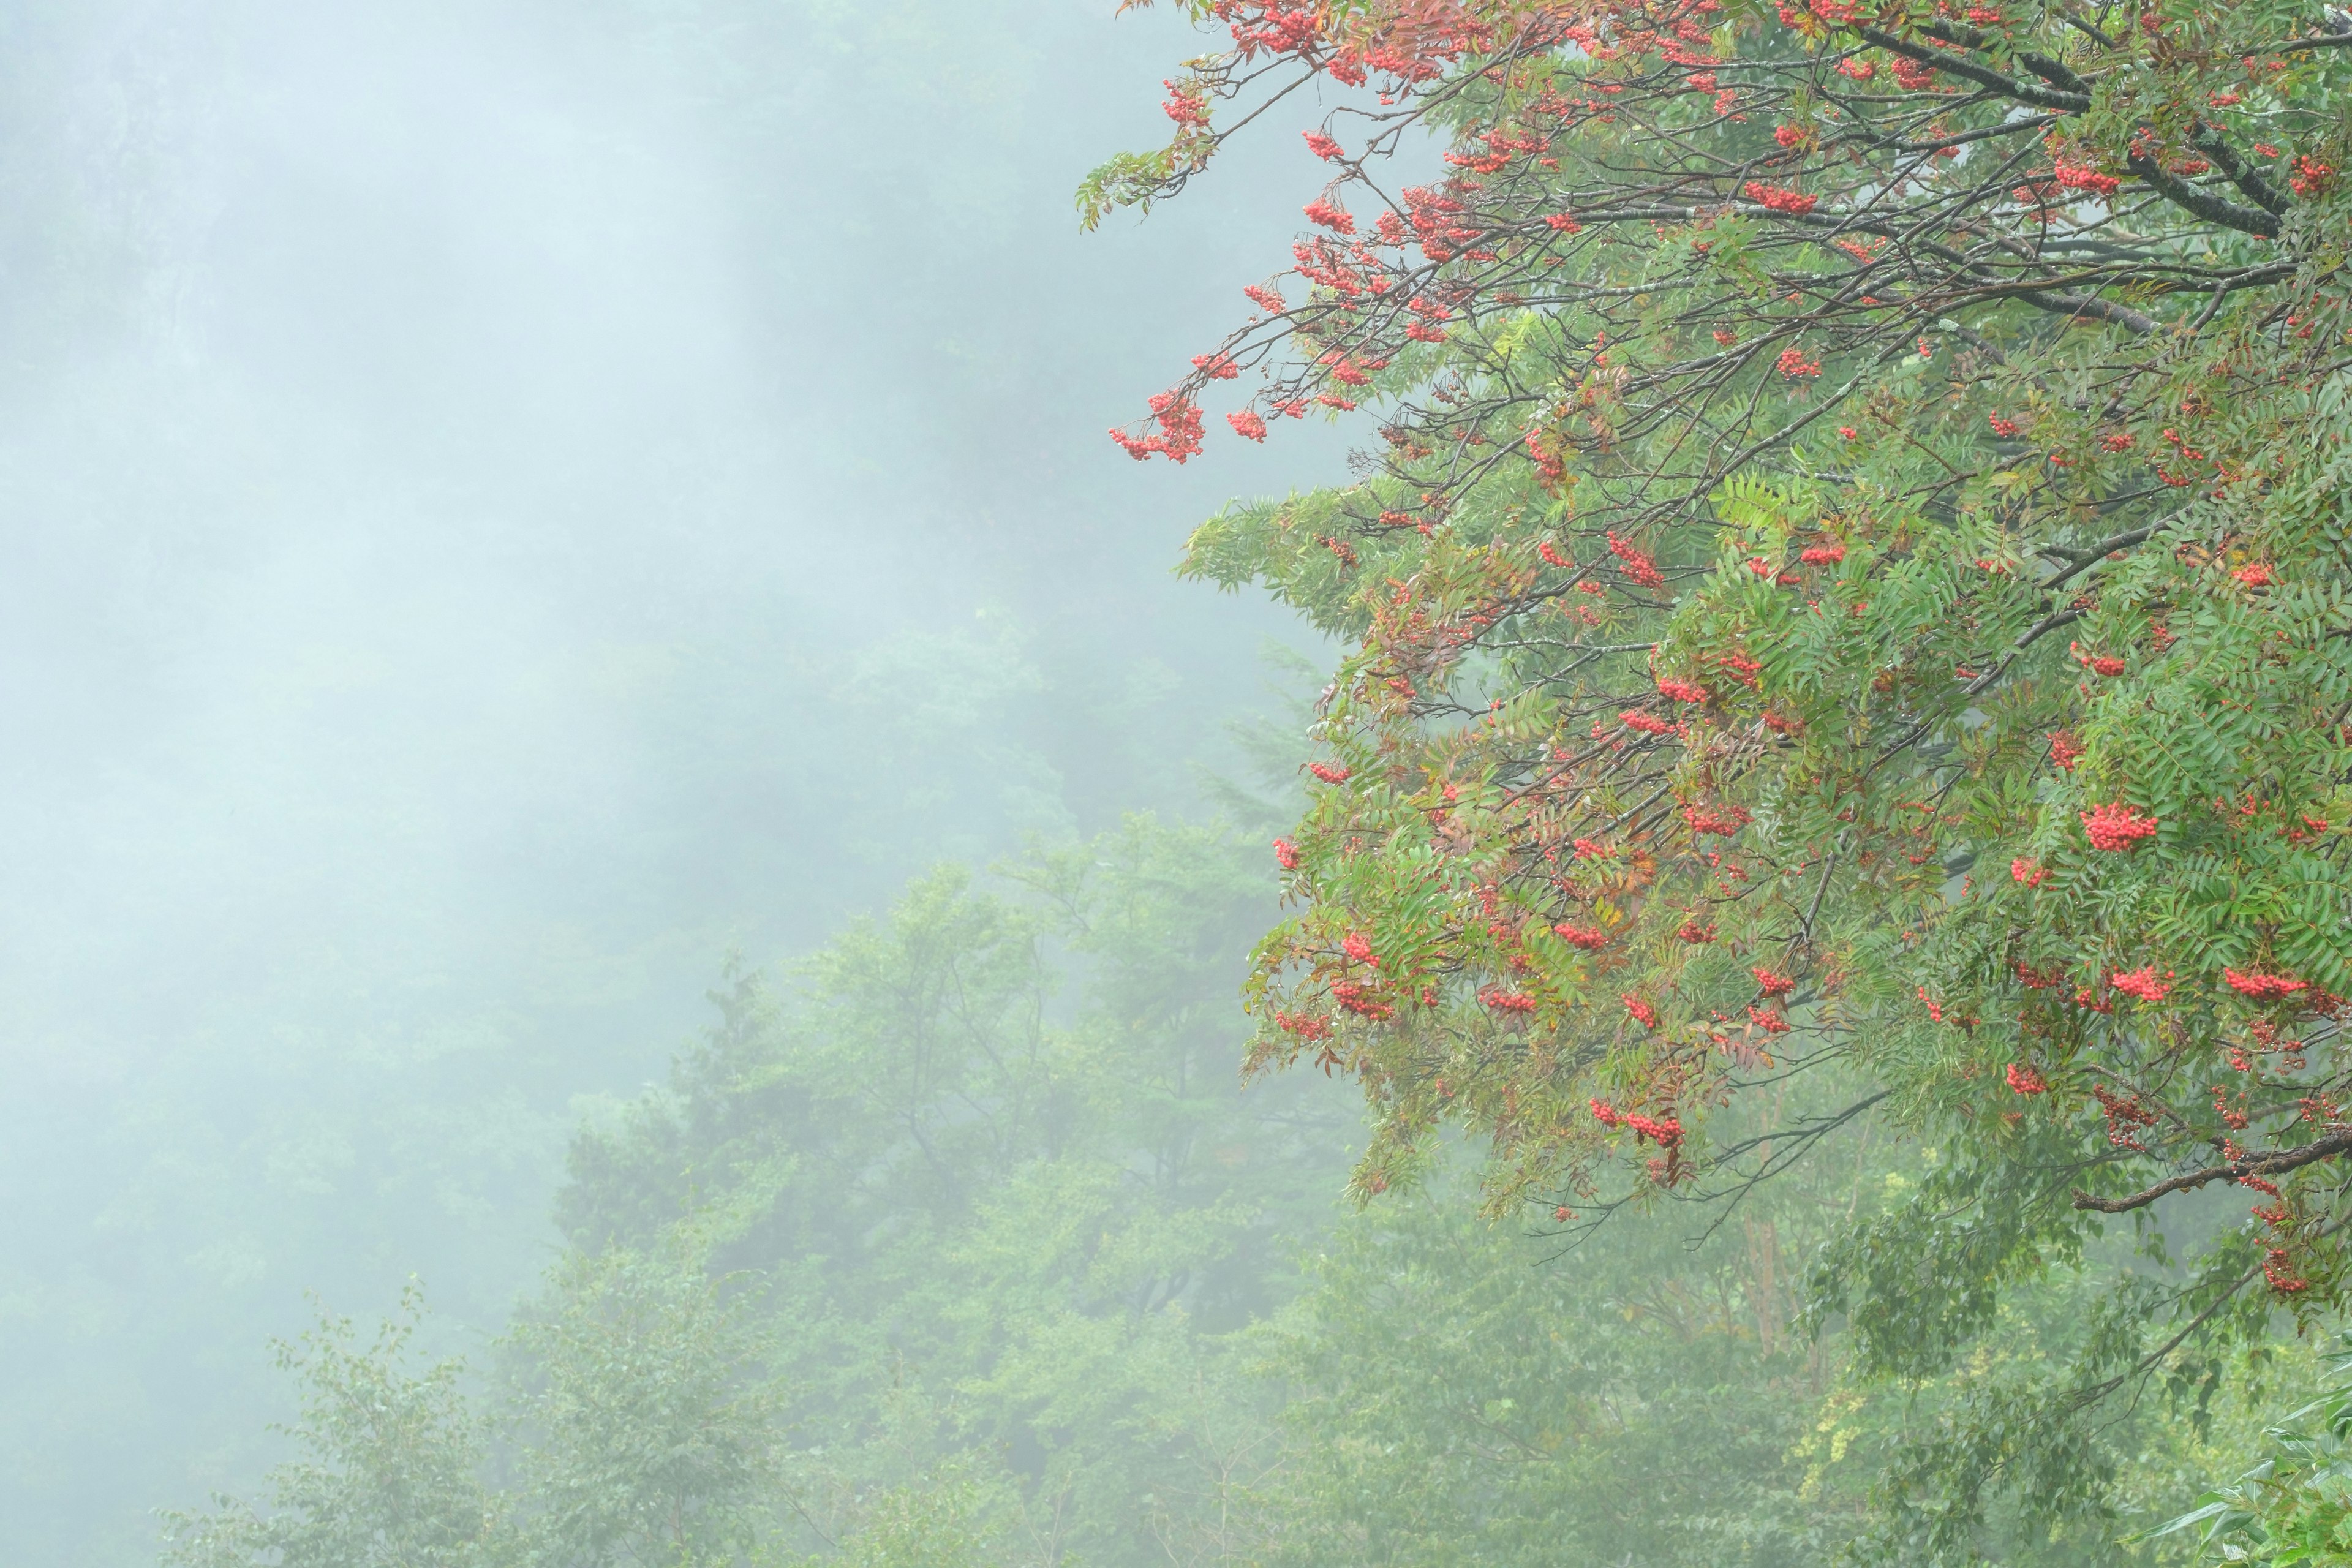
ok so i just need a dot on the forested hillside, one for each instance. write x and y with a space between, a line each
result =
962 1243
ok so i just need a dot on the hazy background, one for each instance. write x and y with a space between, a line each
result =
501 505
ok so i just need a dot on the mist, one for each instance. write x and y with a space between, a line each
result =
639 922
508 506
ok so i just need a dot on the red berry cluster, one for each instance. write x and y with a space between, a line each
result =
2117 827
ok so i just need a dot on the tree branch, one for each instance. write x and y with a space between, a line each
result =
2316 41
2242 174
2081 559
2085 305
1983 76
2212 208
2271 1162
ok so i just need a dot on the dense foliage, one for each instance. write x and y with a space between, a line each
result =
926 1258
2296 1505
997 1162
1854 572
963 1247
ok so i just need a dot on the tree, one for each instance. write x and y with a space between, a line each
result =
784 1334
1854 571
649 1431
390 1472
1455 1397
990 1154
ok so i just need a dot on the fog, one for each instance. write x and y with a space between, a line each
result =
627 880
507 505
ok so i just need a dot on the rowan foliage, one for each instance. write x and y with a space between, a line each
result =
1853 569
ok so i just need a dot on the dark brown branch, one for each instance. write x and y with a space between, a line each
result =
2070 13
2081 559
2025 639
2271 1163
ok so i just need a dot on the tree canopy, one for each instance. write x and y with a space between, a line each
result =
1852 576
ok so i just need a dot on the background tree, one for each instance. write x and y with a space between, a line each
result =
647 1426
991 1155
389 1474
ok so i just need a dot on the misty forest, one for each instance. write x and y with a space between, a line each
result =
1241 784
